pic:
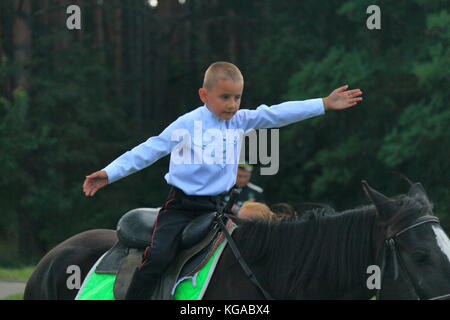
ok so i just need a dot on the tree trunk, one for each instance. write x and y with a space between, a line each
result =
22 42
138 64
231 22
21 33
5 35
99 38
116 32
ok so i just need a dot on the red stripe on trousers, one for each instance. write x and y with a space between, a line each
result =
164 208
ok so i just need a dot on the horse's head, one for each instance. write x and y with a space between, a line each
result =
412 249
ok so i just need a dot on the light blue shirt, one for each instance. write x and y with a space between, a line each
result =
199 177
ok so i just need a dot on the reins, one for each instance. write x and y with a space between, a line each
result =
221 210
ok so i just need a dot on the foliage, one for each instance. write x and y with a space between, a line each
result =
90 100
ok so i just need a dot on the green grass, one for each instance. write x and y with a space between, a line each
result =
17 274
18 296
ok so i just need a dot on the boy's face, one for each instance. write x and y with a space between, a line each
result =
224 98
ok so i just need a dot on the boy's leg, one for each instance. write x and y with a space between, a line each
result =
157 257
172 218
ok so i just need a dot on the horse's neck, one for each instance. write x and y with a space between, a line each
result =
346 263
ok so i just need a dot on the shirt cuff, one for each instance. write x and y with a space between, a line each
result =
319 106
112 173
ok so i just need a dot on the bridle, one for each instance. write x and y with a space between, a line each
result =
390 244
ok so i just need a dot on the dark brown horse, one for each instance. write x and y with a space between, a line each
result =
321 255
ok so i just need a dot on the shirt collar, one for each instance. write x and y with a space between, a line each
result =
212 115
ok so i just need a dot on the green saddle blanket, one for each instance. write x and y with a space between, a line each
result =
98 286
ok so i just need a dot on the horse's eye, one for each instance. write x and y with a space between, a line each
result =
421 257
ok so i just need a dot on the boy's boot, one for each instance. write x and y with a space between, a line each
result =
141 288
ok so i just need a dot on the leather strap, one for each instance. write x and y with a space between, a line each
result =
221 210
249 273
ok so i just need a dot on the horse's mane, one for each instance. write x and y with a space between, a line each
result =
327 247
324 245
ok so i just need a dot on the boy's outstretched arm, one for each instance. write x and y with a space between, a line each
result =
341 98
285 113
94 182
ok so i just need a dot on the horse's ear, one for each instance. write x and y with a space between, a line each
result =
416 189
386 207
418 192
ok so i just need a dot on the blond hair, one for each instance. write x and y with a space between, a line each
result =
221 70
255 210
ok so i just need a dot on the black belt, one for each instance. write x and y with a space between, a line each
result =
178 191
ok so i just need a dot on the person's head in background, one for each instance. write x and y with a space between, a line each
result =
284 210
244 175
255 211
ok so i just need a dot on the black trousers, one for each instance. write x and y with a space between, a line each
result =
174 216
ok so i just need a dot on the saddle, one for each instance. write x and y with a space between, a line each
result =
199 240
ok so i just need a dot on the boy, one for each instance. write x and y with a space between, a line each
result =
196 186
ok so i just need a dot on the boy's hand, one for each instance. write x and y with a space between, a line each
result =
95 181
342 99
